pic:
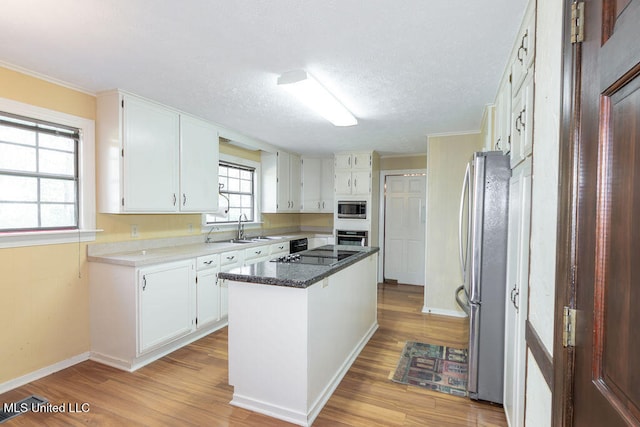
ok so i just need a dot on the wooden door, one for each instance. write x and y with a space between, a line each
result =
597 381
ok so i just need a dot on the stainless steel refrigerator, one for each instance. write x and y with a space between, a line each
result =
483 230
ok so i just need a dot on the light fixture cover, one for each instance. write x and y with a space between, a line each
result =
315 96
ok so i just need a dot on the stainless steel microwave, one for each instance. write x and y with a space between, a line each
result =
352 209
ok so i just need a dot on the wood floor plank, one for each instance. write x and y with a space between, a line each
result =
189 387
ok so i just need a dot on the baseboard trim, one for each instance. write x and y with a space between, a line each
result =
442 312
298 417
41 373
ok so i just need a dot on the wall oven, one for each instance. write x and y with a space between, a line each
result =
352 209
352 238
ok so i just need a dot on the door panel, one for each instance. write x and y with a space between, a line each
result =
404 253
599 230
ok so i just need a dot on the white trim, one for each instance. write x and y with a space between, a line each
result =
34 238
462 132
391 156
381 215
41 373
45 77
442 312
257 214
86 181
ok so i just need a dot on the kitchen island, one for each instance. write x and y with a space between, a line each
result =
296 327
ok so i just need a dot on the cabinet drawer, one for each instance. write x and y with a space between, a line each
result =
253 253
279 248
228 258
207 261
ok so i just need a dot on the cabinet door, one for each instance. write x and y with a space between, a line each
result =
150 157
361 160
326 186
283 182
503 118
342 161
207 297
522 122
517 293
165 303
198 165
526 120
343 182
361 182
294 182
311 183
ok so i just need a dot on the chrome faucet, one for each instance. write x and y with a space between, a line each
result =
240 234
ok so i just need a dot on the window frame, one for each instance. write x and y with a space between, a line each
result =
257 216
86 230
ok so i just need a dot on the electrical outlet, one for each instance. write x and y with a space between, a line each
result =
190 227
134 230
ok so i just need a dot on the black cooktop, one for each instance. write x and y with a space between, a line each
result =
316 257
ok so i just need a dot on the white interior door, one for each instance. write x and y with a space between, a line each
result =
404 245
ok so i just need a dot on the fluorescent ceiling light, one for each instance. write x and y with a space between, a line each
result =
315 96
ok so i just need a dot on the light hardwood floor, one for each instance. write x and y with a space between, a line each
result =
189 387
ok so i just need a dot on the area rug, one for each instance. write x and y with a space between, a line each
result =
434 367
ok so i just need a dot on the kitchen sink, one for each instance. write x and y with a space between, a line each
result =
241 241
264 238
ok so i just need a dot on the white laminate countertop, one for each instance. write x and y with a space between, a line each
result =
143 257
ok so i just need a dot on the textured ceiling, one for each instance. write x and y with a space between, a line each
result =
405 68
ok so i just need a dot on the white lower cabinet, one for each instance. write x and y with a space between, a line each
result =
166 296
257 254
278 249
139 314
208 291
517 293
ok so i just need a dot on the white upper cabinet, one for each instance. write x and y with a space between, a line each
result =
153 159
525 49
522 123
198 165
150 135
317 184
280 182
353 173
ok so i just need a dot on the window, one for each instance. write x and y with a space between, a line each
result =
47 176
237 193
38 175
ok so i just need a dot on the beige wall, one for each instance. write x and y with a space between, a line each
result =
45 293
404 162
447 157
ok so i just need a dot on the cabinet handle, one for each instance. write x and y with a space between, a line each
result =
349 162
519 123
231 257
355 161
208 262
184 199
322 205
355 182
318 205
258 252
144 282
349 183
498 142
522 116
175 199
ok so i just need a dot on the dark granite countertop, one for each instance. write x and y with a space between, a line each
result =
293 274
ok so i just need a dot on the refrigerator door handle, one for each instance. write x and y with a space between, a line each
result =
463 193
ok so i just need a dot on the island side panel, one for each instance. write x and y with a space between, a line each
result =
268 338
342 318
